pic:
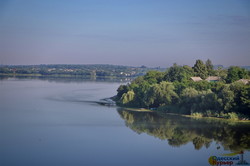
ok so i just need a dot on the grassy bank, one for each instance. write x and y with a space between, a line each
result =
172 110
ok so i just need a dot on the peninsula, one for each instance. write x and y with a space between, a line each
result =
200 91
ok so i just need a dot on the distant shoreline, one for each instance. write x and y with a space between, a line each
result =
60 75
81 71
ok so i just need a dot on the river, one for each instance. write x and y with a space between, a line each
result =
58 122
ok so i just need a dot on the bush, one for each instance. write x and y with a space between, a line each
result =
197 114
232 116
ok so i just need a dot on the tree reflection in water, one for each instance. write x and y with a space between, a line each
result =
179 130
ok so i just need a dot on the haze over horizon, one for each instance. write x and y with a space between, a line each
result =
132 32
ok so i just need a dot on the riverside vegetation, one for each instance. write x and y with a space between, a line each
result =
173 91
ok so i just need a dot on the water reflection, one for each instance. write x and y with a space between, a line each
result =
178 130
70 79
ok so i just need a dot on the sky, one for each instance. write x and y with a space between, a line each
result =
124 32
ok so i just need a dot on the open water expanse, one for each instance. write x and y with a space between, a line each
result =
57 122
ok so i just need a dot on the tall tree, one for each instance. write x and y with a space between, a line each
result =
226 98
178 73
174 73
209 67
200 69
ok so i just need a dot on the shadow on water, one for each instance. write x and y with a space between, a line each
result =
179 130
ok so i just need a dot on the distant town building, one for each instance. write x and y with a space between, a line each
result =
196 79
213 79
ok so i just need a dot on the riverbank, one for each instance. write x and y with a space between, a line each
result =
230 117
195 116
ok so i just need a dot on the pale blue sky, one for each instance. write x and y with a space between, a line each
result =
124 32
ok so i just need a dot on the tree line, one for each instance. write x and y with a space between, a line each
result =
99 70
173 91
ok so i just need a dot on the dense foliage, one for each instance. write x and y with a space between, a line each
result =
174 91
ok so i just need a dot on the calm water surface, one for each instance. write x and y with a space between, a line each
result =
58 123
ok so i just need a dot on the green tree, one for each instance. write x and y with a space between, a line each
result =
200 69
178 73
241 97
189 93
189 71
174 73
121 90
226 98
209 102
245 100
221 73
210 67
164 94
200 85
127 98
188 99
153 77
235 73
141 91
